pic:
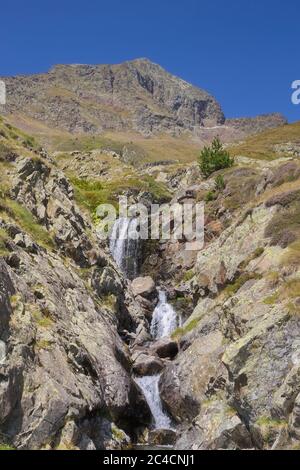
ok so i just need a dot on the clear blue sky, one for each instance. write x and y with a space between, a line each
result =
245 52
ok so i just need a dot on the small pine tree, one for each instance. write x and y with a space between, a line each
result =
214 158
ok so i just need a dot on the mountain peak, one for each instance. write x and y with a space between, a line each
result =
136 95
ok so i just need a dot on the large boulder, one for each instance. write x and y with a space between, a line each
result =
165 348
147 365
143 286
216 427
196 373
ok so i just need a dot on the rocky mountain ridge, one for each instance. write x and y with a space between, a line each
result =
135 96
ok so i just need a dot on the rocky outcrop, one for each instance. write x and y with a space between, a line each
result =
65 372
249 126
143 286
234 382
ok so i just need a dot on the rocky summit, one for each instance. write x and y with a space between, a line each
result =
145 343
137 95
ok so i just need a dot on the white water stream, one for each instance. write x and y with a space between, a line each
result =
125 251
149 386
124 246
164 318
164 321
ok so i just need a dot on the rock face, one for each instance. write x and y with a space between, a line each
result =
65 377
256 124
137 95
143 286
73 330
234 383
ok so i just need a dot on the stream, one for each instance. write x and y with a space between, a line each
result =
125 251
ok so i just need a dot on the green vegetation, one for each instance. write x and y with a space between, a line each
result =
183 330
4 151
117 433
219 187
268 425
6 446
272 299
26 221
110 301
256 254
188 275
16 136
292 256
214 158
234 287
138 149
43 344
41 319
219 183
90 194
210 196
3 239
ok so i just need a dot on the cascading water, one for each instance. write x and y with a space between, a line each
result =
164 321
149 386
124 245
164 318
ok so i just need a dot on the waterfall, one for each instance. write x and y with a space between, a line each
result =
149 386
164 321
124 245
164 318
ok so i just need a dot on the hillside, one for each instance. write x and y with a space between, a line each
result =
238 299
281 141
135 108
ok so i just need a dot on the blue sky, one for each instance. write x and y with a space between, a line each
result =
246 53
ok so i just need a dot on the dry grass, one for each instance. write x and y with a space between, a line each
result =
155 148
261 146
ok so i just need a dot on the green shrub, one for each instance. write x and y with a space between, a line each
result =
214 158
210 196
219 183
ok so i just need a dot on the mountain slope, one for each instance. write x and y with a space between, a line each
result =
136 95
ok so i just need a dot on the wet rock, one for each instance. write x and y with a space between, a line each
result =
162 437
142 337
146 365
165 348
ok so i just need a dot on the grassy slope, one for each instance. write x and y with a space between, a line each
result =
261 146
13 140
160 147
